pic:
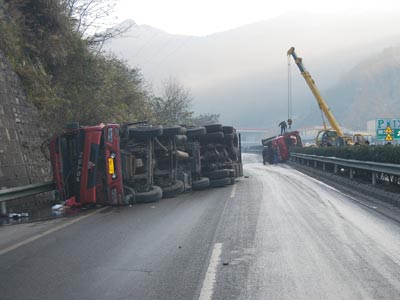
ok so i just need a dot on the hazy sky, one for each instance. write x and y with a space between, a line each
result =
202 17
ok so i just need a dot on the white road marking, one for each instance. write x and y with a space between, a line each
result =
233 193
207 289
47 232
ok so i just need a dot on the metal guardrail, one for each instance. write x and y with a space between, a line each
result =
374 167
26 191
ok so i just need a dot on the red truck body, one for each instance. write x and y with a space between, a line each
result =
277 149
86 164
287 141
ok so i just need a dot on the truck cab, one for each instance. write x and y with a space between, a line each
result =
86 164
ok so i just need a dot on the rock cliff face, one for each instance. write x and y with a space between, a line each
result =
21 134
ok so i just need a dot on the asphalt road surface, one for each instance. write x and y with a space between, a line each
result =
277 234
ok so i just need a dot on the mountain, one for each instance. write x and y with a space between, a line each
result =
242 73
369 91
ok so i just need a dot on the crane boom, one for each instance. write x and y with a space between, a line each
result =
321 102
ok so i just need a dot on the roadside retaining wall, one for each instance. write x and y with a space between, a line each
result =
21 134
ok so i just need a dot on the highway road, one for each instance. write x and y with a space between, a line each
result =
276 234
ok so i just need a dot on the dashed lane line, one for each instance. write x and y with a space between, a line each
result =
207 289
233 193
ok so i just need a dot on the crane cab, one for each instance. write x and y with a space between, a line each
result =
362 139
326 138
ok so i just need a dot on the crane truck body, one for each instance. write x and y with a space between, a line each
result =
325 137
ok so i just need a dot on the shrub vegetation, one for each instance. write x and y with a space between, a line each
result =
384 154
64 74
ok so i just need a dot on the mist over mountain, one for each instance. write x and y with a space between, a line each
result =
370 90
242 73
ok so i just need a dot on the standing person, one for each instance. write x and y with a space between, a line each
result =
283 127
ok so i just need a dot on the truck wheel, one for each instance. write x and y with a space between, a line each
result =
201 184
220 182
215 137
173 190
173 130
228 137
153 195
233 153
213 128
227 129
235 140
192 132
145 133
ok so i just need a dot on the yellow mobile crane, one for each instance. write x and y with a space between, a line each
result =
325 137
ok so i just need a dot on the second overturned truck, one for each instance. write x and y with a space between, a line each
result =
277 148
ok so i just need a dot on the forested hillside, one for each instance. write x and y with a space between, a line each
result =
65 73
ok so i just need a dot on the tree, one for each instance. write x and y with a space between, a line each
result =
61 74
91 19
173 107
204 119
99 89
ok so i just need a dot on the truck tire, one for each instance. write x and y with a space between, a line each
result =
228 138
220 182
145 133
215 137
227 129
193 132
213 128
173 190
153 195
173 130
233 153
235 140
201 184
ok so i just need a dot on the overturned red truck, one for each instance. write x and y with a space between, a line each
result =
86 165
277 148
119 164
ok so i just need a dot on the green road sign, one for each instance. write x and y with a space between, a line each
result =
396 134
387 129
